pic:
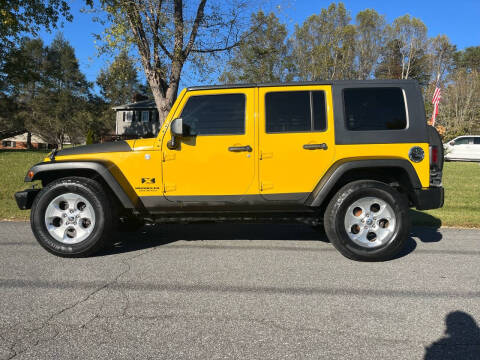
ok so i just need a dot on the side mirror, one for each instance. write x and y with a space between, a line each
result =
179 130
451 143
176 127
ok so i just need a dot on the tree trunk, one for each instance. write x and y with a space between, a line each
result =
29 140
164 97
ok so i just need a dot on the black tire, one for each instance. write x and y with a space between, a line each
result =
90 190
335 213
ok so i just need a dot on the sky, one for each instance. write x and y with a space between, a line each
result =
459 20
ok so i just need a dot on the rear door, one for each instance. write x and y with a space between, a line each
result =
296 140
461 148
476 148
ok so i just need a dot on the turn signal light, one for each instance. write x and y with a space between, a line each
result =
30 174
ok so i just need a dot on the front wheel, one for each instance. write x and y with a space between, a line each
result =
368 221
71 217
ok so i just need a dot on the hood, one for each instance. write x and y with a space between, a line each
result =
114 146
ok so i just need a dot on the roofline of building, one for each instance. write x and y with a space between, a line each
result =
135 105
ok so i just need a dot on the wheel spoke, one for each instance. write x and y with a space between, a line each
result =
384 211
351 220
58 230
88 213
65 223
369 222
53 211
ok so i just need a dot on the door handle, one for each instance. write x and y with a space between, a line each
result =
240 148
322 146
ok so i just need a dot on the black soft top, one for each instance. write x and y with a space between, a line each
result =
342 83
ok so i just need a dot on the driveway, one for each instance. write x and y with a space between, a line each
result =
240 291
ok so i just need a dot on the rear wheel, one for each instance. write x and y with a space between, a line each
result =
367 220
71 217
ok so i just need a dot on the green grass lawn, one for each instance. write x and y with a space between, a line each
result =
461 181
462 198
13 168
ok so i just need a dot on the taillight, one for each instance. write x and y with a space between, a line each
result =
434 154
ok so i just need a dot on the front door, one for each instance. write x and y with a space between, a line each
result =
296 140
218 163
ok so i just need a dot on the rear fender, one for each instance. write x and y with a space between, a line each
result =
334 175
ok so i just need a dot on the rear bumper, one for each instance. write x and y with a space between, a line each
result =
429 198
25 198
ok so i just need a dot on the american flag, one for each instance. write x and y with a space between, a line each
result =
435 102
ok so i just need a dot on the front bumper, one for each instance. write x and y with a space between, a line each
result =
429 198
25 198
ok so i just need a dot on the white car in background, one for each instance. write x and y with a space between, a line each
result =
463 148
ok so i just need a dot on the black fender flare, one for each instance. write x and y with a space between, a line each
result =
108 171
338 169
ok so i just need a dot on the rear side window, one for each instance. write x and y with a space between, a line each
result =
462 141
295 111
369 109
215 114
476 140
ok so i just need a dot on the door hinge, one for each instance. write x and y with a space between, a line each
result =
265 186
266 155
169 187
168 156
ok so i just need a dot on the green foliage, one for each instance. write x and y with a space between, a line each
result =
468 59
28 16
264 55
119 82
47 88
405 55
63 94
369 40
89 138
324 45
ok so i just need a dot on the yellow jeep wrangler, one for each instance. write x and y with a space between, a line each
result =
353 155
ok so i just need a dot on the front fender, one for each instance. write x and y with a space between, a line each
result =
107 171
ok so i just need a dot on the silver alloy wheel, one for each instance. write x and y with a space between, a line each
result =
70 218
370 222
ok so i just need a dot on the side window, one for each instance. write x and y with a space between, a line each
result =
462 141
145 116
476 140
369 109
215 114
295 111
128 116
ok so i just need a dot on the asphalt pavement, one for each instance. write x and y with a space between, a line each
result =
238 291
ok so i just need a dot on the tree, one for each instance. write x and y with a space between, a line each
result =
119 82
390 66
170 33
369 41
264 56
460 106
19 17
324 45
442 58
63 94
23 68
411 34
468 59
